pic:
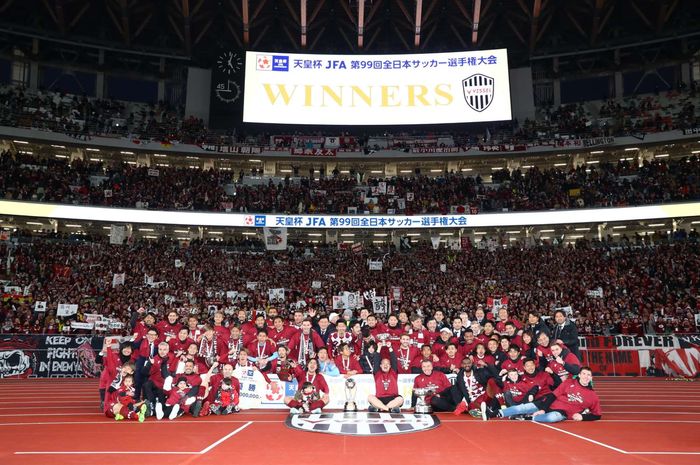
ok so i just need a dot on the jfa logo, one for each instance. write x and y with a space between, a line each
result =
264 63
259 220
280 63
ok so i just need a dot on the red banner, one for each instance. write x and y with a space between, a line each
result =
612 362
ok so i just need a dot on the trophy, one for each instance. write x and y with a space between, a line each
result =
421 405
350 392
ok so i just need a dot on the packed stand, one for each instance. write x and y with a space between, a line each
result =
27 178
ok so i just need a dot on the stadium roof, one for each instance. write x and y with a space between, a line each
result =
197 29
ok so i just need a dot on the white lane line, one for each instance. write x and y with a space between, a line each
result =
664 453
581 437
201 452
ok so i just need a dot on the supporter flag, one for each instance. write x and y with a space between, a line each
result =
276 294
401 204
66 309
435 241
179 263
338 302
598 292
331 142
443 267
409 196
357 247
61 271
4 236
40 306
494 303
459 209
275 238
379 305
466 243
116 234
331 237
316 284
118 279
396 293
454 243
375 265
352 300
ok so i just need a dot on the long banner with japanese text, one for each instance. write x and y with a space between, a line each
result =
455 87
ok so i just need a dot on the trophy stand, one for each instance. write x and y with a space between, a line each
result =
422 407
350 393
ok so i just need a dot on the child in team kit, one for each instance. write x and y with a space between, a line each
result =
226 400
125 406
307 399
177 402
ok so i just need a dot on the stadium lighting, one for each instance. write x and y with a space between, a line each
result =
380 234
695 222
249 234
106 227
596 152
131 162
96 159
619 227
285 171
58 146
513 232
90 149
661 155
496 168
345 172
35 223
376 171
626 159
576 236
126 153
61 156
467 169
560 164
146 229
20 141
183 238
631 149
347 235
695 151
436 171
377 242
527 166
405 171
315 234
479 233
151 237
160 155
181 231
215 232
583 229
547 230
73 226
446 234
413 234
592 162
545 237
656 225
255 161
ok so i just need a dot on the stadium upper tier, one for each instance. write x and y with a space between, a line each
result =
624 183
131 126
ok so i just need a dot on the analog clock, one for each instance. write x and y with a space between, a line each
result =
229 62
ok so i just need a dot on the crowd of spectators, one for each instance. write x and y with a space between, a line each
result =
645 288
29 178
83 117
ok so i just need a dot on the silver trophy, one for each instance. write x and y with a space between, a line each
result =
350 393
421 405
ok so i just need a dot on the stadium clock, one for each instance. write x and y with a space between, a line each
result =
229 62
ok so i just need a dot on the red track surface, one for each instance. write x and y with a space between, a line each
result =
645 421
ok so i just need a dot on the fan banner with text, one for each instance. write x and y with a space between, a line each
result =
435 88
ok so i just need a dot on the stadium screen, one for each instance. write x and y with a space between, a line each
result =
435 88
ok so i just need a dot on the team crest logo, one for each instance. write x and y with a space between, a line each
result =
274 391
362 423
478 91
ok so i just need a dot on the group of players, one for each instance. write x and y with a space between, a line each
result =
502 368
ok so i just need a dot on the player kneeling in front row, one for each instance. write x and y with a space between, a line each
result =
306 400
574 399
387 398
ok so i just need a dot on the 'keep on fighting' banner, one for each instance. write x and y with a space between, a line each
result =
49 356
455 87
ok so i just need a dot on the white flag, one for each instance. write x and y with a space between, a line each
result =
275 238
179 263
276 295
118 279
379 304
40 306
436 241
117 234
66 309
375 265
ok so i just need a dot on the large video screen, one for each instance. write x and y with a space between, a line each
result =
435 88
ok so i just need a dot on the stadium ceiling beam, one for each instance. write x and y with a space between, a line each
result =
516 31
374 37
7 4
459 37
595 26
261 36
578 26
144 22
418 22
360 23
666 9
535 23
187 23
401 37
77 16
61 16
234 32
124 8
303 22
475 21
641 15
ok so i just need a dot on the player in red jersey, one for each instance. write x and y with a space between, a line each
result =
539 383
514 389
574 399
564 364
346 362
475 389
434 380
406 353
234 344
169 327
112 362
153 388
513 362
304 344
451 359
310 375
306 400
281 333
179 344
262 349
386 396
282 366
